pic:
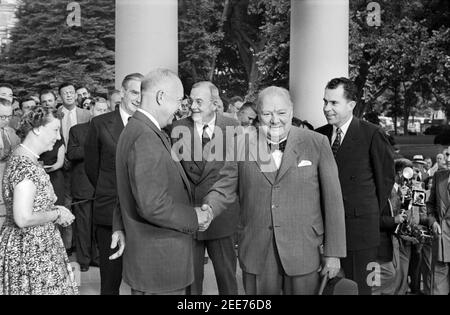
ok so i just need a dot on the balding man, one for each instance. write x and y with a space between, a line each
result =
205 124
155 195
290 200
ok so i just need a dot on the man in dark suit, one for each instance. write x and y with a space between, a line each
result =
290 200
218 239
100 165
156 211
366 172
83 191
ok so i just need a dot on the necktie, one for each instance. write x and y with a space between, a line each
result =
6 145
205 136
337 142
278 146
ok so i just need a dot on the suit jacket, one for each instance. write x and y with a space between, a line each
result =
366 173
100 163
299 206
202 175
81 186
156 209
83 116
438 210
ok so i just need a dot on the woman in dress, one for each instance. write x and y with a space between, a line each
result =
33 259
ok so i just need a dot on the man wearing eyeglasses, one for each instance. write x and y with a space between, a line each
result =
100 166
8 139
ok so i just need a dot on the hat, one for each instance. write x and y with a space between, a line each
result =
338 286
419 159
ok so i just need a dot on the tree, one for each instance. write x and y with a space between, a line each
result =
45 51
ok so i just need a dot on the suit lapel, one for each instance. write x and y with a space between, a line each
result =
140 116
196 146
208 165
290 155
349 142
443 191
263 155
115 126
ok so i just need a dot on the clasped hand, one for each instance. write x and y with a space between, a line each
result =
205 217
66 217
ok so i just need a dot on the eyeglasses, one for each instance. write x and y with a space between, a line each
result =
5 117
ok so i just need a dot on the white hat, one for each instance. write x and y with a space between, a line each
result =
419 159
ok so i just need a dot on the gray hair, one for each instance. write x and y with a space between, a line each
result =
157 78
273 90
214 91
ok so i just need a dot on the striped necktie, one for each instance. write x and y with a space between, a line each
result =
337 142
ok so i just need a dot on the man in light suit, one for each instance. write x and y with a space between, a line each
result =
290 200
438 206
202 174
365 161
156 212
100 166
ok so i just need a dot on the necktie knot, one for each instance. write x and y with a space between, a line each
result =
281 146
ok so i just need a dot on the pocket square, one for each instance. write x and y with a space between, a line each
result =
304 163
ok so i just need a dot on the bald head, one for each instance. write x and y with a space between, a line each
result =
272 91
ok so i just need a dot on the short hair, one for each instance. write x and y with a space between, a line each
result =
82 87
37 117
274 90
246 105
63 85
26 98
6 85
131 77
112 92
214 91
235 99
46 91
156 78
350 89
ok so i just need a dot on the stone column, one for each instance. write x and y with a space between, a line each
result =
146 36
319 52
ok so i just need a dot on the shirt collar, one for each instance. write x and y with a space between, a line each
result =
210 129
124 115
150 116
65 110
344 127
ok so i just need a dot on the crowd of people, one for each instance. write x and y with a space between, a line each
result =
143 177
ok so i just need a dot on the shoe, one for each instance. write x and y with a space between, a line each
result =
84 268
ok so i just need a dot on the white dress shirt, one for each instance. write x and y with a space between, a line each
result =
124 115
209 130
69 120
150 116
344 130
277 155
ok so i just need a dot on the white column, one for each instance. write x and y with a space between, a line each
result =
319 52
146 36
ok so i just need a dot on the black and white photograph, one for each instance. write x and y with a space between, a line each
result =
231 150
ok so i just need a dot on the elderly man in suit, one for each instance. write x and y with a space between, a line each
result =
100 165
438 206
156 212
83 191
290 199
366 172
202 174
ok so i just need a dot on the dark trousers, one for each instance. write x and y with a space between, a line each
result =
176 292
223 256
274 281
110 270
356 266
87 251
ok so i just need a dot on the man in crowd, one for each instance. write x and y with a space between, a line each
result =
114 100
26 104
366 172
47 98
290 201
202 174
82 93
155 195
83 191
247 114
100 157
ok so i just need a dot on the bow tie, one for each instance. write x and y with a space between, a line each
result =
278 146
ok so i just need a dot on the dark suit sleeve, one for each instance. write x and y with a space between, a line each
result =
331 203
117 218
149 184
387 223
432 202
92 153
75 151
382 158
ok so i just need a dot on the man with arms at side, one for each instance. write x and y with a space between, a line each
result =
202 174
289 207
366 172
100 165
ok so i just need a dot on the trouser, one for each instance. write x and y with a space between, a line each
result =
176 292
358 266
420 268
110 270
87 251
273 280
223 256
441 283
388 273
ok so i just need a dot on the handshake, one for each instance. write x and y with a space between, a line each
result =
205 217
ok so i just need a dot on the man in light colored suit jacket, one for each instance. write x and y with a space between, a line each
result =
156 211
438 206
290 200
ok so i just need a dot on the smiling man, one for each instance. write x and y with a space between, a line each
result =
366 172
288 211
